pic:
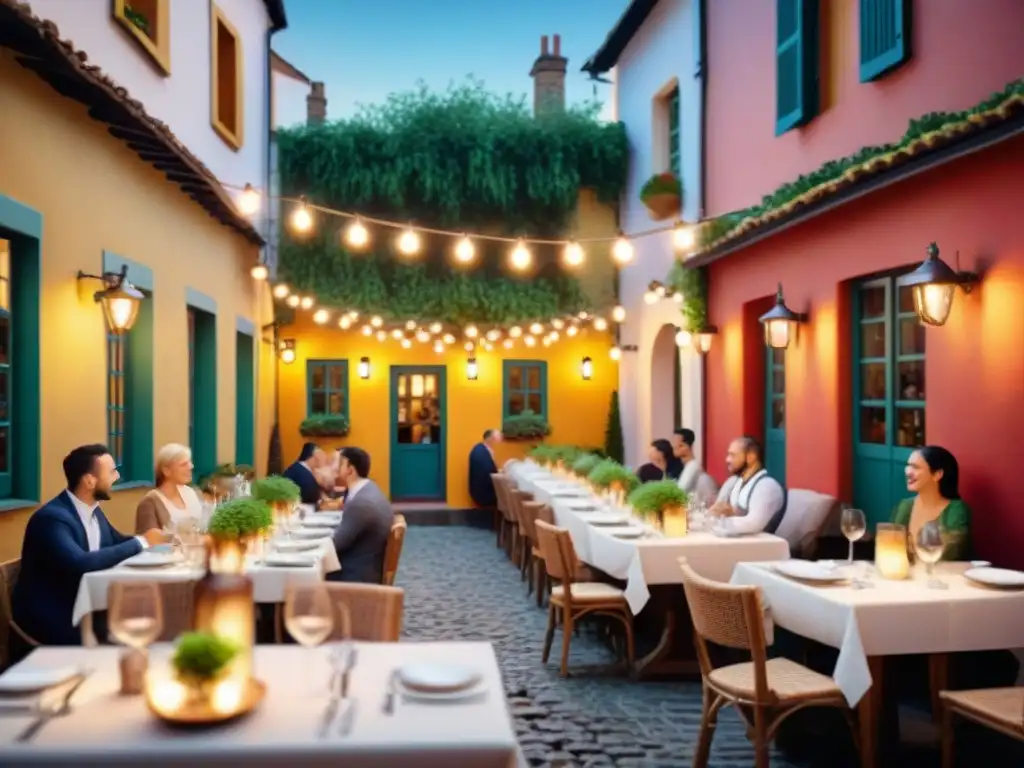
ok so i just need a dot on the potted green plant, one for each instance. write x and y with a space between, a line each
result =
611 476
279 493
662 502
234 526
201 659
542 454
324 425
525 426
585 464
662 194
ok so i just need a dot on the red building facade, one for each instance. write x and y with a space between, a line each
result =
864 382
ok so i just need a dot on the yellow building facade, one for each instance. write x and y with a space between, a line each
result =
75 198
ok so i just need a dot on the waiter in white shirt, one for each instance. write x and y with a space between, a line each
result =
751 500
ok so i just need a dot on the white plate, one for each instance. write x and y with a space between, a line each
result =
437 679
309 533
314 521
22 679
624 531
805 570
152 560
297 546
424 697
605 518
1002 578
283 560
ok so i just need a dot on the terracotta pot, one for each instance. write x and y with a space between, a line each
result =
663 206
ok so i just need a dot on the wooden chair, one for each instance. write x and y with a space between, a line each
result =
393 549
374 611
9 573
764 692
520 543
571 599
1001 709
177 598
503 490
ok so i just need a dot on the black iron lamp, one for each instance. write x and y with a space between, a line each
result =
703 337
780 323
286 351
118 297
934 285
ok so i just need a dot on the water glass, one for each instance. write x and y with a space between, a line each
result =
854 526
929 546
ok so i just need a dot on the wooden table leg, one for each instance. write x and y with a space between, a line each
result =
869 712
938 680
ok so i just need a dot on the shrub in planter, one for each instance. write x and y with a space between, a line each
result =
324 425
279 493
202 658
525 426
662 194
542 454
610 475
239 519
585 464
652 499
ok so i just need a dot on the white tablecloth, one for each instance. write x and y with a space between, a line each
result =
269 582
642 562
891 618
105 728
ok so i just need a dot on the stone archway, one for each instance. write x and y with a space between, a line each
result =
665 388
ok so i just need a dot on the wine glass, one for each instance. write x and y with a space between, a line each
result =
308 614
929 547
854 526
136 615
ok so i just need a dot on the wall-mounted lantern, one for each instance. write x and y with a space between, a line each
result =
703 338
587 369
364 367
934 284
118 297
286 351
683 338
472 371
780 323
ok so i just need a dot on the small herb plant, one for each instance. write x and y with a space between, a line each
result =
276 490
201 657
525 426
239 518
325 425
585 463
609 473
661 184
651 499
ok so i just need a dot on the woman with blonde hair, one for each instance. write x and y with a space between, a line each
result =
172 500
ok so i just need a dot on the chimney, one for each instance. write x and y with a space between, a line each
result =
548 75
316 104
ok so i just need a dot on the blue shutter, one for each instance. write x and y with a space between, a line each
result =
884 37
796 63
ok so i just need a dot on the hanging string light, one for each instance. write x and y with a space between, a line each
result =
623 251
292 301
615 353
357 235
683 237
376 321
573 255
521 258
465 252
306 302
619 314
260 272
281 291
249 201
344 322
409 242
321 316
302 218
600 324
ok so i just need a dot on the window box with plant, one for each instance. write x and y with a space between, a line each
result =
525 425
663 196
324 425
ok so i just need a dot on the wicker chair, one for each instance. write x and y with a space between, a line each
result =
374 611
393 549
572 599
1001 709
176 598
764 691
9 572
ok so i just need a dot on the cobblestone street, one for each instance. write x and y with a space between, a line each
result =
461 587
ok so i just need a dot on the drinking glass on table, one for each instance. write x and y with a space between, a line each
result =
136 618
854 526
929 546
308 614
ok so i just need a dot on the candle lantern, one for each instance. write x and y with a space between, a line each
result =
224 607
673 522
891 558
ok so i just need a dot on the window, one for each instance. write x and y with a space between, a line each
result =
885 37
796 63
202 390
6 362
226 86
327 387
675 164
526 387
775 414
115 395
889 392
148 23
245 399
130 397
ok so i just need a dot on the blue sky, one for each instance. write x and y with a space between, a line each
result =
365 49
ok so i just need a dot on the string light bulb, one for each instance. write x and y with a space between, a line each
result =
558 324
493 335
259 272
438 346
249 201
397 334
615 353
573 255
472 331
302 217
521 258
660 291
683 338
619 314
409 242
422 336
464 250
623 251
435 328
515 332
600 324
281 291
366 330
321 316
382 335
293 301
353 315
572 330
683 237
410 325
376 321
448 339
530 341
677 297
344 322
357 235
650 297
469 346
306 302
507 343
536 329
406 343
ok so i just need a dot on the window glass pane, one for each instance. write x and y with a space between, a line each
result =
534 402
779 381
316 376
515 403
4 389
318 402
430 384
336 403
911 336
778 413
417 385
872 340
872 424
5 435
533 377
910 375
910 427
906 299
402 384
337 377
515 377
872 381
872 301
5 339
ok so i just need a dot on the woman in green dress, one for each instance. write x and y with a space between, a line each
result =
934 475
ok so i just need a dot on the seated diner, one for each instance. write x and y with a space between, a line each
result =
303 472
663 464
173 500
751 500
933 474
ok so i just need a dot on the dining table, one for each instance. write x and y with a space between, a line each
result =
868 618
290 727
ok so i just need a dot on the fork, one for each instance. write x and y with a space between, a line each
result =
392 697
53 711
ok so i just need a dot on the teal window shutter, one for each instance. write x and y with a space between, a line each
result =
796 63
675 163
245 399
130 397
884 37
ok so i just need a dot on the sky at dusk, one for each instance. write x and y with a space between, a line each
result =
365 49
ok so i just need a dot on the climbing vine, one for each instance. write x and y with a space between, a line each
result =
692 284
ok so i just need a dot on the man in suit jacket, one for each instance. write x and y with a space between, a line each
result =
482 465
66 538
303 473
365 522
